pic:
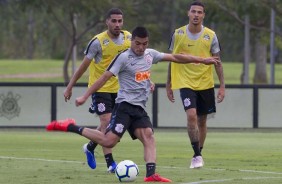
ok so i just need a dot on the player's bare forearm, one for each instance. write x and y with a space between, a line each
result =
219 71
169 91
95 87
79 72
185 58
98 84
168 74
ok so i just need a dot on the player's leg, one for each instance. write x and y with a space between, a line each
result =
108 140
194 135
111 164
205 106
202 124
102 104
189 100
141 128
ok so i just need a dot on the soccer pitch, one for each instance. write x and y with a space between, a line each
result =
231 156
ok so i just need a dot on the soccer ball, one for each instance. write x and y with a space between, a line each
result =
126 171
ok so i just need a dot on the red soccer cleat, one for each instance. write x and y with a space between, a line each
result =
60 125
156 178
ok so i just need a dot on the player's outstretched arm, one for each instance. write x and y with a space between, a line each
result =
185 58
78 73
95 87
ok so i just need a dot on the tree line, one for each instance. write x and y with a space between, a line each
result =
35 29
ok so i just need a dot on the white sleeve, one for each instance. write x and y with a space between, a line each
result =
215 47
94 50
157 56
116 64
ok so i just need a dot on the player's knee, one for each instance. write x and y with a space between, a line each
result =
109 144
149 137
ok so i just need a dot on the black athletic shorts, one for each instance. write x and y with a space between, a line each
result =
128 117
102 103
203 100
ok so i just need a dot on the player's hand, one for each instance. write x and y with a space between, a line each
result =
169 93
211 60
152 87
67 94
80 100
220 95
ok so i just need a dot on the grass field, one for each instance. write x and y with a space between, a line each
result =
51 71
231 157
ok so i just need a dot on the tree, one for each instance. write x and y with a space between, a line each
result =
260 21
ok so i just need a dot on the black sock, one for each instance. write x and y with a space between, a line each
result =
91 146
109 159
75 129
196 148
201 148
150 169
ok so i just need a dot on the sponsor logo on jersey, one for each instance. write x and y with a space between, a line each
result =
130 57
142 76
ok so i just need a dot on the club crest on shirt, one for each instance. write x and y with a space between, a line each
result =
149 59
180 32
106 42
206 37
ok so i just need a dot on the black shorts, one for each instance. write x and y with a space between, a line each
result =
203 100
128 117
102 103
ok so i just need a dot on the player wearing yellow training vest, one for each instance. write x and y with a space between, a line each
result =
101 50
195 76
194 80
110 48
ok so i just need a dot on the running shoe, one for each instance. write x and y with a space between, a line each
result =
60 125
197 162
112 168
156 178
90 157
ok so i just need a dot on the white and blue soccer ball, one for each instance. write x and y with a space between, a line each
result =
127 171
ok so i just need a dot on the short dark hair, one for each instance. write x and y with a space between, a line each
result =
113 11
140 32
196 3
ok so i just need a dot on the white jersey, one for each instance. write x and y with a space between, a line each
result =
134 75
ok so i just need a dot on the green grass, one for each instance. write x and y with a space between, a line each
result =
51 71
233 157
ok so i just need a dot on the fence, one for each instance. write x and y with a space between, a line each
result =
33 105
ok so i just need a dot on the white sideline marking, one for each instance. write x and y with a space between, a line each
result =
223 180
